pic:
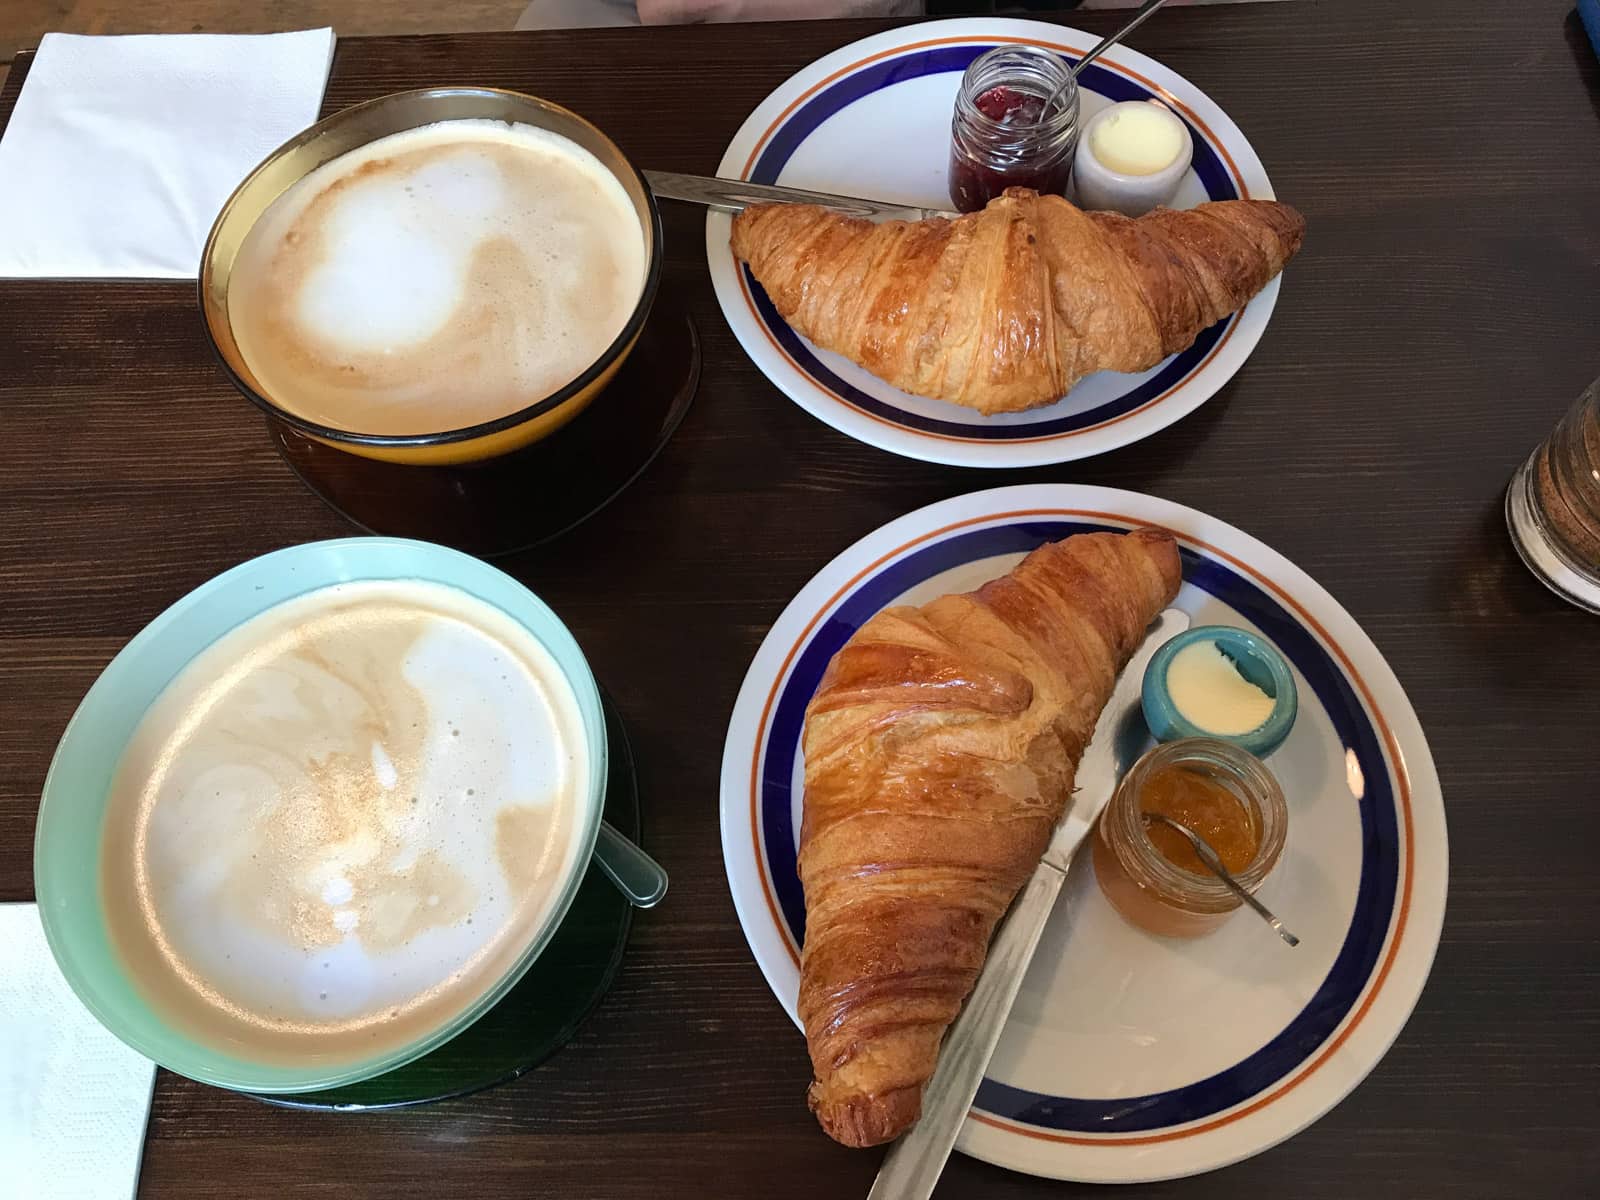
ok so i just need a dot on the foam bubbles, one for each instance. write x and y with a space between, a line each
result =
351 811
386 283
464 186
383 769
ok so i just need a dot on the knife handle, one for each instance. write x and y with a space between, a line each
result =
913 1165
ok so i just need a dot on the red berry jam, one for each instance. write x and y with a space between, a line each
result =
1002 135
973 185
1010 107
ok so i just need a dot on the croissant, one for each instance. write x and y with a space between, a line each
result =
940 750
1007 308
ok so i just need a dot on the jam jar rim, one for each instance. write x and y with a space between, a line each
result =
1169 883
1062 122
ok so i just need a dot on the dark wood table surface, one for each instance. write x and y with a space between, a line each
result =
1441 317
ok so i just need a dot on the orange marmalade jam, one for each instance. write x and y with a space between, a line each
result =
1204 805
1151 875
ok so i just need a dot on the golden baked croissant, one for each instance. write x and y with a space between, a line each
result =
1007 308
940 750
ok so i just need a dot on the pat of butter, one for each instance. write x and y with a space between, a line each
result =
1208 690
1137 138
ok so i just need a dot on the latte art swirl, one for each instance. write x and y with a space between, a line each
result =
436 278
342 822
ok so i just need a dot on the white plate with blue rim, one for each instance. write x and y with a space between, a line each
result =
1130 1057
873 119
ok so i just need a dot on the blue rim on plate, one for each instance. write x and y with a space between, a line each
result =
1208 165
1364 941
1109 1011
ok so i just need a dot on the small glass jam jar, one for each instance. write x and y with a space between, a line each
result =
1149 889
1001 136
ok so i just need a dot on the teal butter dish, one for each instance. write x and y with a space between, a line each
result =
1217 681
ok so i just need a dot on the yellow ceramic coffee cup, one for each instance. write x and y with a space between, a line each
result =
354 127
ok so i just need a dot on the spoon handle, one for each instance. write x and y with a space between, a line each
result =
1265 913
1112 39
638 876
1204 850
1214 864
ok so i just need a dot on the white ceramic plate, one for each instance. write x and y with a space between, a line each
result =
873 119
1130 1057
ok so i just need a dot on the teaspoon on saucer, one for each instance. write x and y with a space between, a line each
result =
636 875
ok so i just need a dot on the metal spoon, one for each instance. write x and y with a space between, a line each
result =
636 875
1209 857
1101 47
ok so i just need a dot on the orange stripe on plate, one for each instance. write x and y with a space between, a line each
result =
1392 746
950 437
1075 51
1244 193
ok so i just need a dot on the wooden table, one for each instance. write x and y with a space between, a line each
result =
1441 317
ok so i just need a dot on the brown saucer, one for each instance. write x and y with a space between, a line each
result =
518 500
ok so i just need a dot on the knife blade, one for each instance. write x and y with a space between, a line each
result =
914 1163
1099 769
733 195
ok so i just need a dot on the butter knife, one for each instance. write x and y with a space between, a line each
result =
733 195
914 1163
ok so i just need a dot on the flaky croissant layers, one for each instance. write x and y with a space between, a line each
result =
940 751
1006 309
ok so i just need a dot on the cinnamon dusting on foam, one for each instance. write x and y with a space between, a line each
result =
341 823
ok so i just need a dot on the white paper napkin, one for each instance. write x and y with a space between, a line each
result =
73 1099
121 150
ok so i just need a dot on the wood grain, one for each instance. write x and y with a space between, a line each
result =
24 22
1438 321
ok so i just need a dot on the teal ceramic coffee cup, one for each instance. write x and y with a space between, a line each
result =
69 843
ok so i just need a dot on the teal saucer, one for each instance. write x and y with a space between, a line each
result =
545 1009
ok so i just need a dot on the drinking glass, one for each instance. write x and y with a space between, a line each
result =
1553 505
